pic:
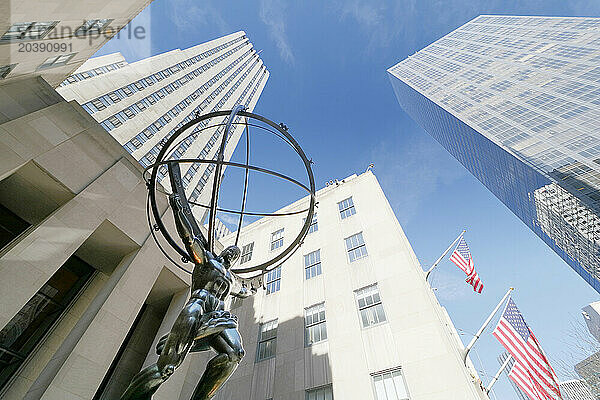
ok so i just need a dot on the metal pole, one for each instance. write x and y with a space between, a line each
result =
443 255
502 368
485 324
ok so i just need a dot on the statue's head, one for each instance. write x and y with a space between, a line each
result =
230 256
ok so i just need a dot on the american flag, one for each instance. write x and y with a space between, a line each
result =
463 260
532 371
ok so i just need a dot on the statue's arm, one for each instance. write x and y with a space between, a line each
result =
187 227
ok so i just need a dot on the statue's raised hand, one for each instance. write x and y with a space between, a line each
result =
216 322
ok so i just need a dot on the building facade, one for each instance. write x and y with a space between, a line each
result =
589 370
576 389
84 287
591 316
516 101
52 40
348 316
143 103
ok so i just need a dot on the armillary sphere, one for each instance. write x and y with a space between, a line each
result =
203 124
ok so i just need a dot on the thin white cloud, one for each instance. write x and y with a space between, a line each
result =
449 285
410 171
189 15
371 18
272 14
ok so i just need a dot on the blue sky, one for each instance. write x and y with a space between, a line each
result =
329 84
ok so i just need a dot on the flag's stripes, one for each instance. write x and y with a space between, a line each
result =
534 371
519 375
460 262
474 281
463 260
522 353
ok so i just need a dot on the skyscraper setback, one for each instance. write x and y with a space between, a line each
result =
516 101
142 104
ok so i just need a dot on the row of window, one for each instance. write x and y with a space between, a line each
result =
101 102
130 112
137 141
355 244
92 72
370 311
388 384
204 153
204 179
150 157
185 144
50 62
21 31
355 247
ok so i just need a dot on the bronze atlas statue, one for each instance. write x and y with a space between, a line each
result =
204 324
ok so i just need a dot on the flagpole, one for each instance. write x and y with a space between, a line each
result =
497 376
485 324
444 254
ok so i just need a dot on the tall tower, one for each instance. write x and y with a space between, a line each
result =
516 101
143 103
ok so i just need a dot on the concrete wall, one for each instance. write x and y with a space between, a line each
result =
101 218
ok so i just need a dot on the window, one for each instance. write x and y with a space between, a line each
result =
355 246
246 253
313 227
5 70
28 31
98 104
273 280
56 61
92 26
277 239
369 306
315 329
390 385
322 393
28 327
267 340
312 264
346 208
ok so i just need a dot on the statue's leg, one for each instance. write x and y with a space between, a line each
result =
177 345
228 345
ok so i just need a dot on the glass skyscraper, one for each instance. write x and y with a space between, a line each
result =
517 101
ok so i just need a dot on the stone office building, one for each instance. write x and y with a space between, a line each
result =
83 287
348 316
